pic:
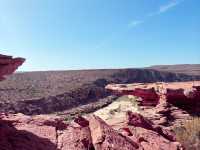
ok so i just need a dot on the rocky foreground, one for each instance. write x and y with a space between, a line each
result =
20 132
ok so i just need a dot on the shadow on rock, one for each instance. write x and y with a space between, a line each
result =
13 139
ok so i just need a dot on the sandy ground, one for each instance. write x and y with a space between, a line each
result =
115 113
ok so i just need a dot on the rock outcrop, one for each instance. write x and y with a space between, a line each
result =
104 137
187 98
149 135
176 102
18 132
137 120
8 65
149 96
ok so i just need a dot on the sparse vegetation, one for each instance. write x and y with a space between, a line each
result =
123 107
189 134
131 99
113 111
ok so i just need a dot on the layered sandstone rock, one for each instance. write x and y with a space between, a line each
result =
188 99
148 96
182 95
8 65
188 96
177 101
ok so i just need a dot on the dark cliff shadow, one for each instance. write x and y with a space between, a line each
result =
193 110
188 101
13 139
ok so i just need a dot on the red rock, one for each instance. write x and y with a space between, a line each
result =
187 99
25 134
75 138
8 65
138 120
41 133
127 130
20 132
149 96
151 140
151 136
105 138
81 121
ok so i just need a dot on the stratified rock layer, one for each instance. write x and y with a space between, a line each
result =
8 65
185 96
188 99
149 96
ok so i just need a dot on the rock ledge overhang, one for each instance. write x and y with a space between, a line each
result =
9 65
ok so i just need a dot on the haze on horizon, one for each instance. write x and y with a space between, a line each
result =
91 34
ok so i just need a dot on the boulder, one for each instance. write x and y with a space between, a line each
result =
137 120
150 140
149 135
105 138
75 138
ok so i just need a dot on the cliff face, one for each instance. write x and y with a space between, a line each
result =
8 65
190 69
149 75
182 94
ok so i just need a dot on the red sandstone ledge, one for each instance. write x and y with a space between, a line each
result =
8 65
177 93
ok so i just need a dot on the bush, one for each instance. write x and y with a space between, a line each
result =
189 134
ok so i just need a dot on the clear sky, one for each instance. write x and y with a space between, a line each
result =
86 34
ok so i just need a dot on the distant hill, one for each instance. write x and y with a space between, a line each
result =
189 69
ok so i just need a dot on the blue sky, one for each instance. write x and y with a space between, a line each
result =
87 34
